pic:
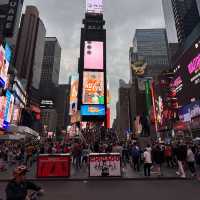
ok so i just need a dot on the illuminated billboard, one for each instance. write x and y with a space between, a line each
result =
93 88
93 110
187 77
2 110
5 56
93 55
177 84
74 94
94 6
9 107
194 70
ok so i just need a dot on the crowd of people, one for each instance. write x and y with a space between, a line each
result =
154 158
157 157
17 153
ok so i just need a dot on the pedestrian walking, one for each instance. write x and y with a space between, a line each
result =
147 163
181 154
191 161
136 157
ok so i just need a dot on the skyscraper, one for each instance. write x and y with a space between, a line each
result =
185 17
26 45
150 47
169 21
51 62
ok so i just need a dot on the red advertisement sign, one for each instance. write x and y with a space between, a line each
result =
53 166
105 165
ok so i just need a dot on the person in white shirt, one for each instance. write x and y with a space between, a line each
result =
147 163
191 161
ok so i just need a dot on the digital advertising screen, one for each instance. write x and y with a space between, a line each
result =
93 88
5 56
93 55
104 165
74 94
177 84
2 110
190 111
94 6
9 107
92 110
187 76
194 70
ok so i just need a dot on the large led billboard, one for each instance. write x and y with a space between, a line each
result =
2 110
92 110
188 112
93 88
94 6
5 56
194 70
187 77
93 55
74 94
9 107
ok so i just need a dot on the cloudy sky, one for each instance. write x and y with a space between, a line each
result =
63 19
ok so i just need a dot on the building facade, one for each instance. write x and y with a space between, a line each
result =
25 49
123 110
151 48
38 55
51 62
181 17
169 21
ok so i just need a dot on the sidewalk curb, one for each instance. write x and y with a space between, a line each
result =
106 179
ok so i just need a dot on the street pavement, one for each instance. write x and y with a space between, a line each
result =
127 173
118 190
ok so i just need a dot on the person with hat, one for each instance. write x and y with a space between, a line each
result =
17 188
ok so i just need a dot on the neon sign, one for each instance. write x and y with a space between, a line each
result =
194 66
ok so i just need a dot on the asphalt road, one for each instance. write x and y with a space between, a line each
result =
120 190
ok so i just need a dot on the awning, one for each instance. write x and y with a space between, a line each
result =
12 137
23 130
27 131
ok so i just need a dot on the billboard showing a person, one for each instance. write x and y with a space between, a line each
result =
93 88
74 94
93 55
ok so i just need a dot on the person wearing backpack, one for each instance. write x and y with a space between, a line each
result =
136 157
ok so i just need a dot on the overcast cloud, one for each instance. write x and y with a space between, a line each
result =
63 19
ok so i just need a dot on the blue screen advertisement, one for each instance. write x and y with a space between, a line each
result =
8 109
190 111
5 57
93 110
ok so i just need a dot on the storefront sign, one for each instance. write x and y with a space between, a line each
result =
53 166
10 18
104 165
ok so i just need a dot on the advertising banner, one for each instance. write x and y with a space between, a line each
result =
5 56
93 88
2 110
94 6
104 165
53 166
74 94
93 55
194 70
9 107
93 110
188 112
